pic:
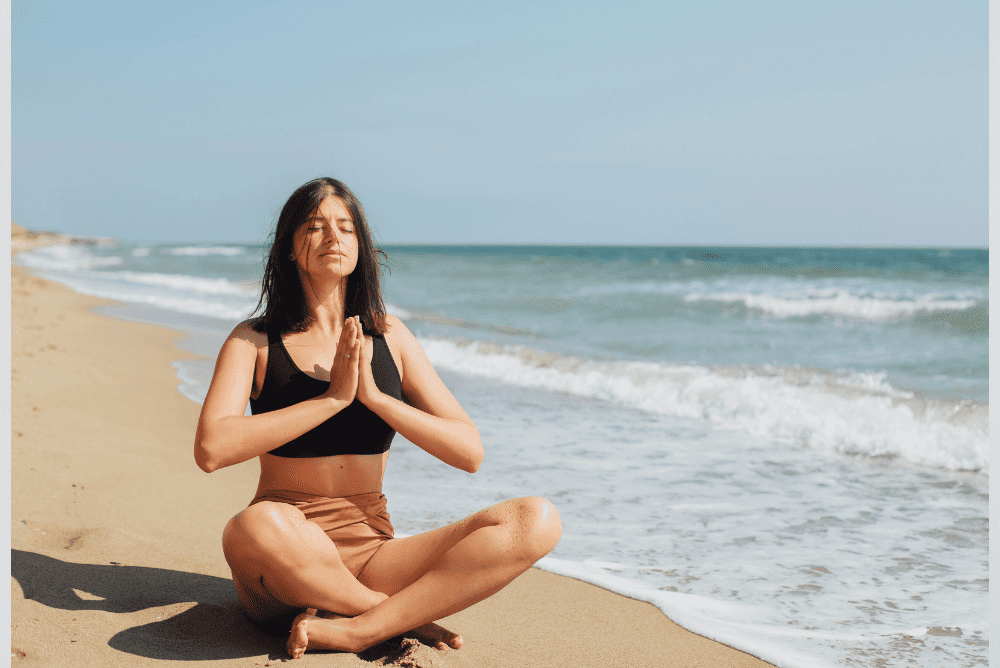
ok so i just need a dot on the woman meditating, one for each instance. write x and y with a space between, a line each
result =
331 378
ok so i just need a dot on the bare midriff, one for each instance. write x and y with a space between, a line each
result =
336 476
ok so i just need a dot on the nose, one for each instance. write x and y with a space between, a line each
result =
332 235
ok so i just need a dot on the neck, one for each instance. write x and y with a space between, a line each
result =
326 302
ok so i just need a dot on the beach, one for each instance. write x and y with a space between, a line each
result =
116 552
781 449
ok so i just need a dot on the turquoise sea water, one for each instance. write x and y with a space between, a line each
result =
783 448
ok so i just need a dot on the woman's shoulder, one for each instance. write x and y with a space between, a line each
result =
248 333
399 341
395 331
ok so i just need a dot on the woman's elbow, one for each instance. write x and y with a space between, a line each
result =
475 458
204 456
204 460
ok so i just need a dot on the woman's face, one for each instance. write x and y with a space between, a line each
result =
326 245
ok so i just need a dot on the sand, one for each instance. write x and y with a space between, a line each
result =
116 554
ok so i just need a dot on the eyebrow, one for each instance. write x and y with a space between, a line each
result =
316 217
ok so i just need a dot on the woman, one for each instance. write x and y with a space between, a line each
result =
331 378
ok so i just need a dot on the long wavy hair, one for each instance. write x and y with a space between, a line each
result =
282 303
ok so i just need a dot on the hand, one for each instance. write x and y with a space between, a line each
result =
344 371
368 392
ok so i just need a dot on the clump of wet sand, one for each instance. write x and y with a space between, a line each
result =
408 653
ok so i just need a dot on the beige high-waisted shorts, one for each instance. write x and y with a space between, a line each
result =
357 525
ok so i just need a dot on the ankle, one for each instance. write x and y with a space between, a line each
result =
358 635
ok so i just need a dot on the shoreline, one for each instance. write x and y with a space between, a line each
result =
98 547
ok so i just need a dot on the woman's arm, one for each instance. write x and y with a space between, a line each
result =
432 418
227 436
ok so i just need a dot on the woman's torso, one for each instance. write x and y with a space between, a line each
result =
330 476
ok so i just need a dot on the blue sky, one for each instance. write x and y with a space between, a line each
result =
745 123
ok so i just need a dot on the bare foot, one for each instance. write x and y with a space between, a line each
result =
436 636
298 638
320 632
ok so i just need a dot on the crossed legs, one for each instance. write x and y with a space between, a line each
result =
283 563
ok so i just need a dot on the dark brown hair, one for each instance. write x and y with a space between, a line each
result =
282 300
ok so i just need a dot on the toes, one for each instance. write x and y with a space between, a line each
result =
294 650
298 637
295 646
447 639
438 637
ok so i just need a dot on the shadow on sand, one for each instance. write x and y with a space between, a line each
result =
214 628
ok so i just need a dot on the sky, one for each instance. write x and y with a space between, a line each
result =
717 123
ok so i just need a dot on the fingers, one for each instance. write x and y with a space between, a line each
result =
350 345
344 371
351 331
346 338
358 339
350 334
349 349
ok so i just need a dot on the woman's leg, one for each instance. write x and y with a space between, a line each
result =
438 573
282 563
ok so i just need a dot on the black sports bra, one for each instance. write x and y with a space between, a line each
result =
355 430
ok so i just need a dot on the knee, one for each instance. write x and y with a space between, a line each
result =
540 526
259 530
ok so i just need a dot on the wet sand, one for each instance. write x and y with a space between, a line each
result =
116 554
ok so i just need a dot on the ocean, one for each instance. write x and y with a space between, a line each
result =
784 449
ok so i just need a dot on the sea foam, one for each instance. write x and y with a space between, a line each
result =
852 298
714 618
838 302
66 258
852 414
202 251
212 297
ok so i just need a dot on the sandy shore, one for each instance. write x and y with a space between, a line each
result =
116 554
23 239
